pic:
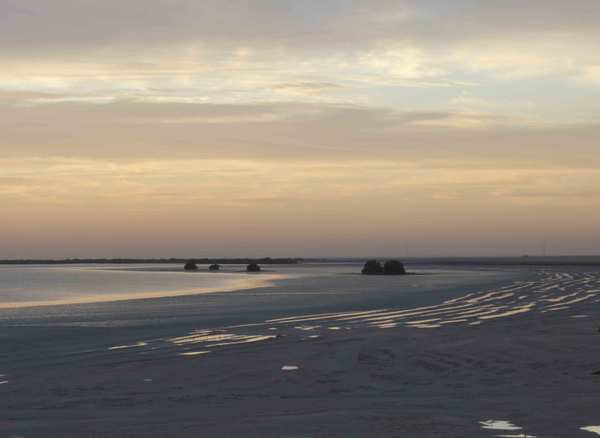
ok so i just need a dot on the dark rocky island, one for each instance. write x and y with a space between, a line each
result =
253 267
190 265
390 267
372 267
393 267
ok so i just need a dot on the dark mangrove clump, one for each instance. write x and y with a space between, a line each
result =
390 267
253 267
372 267
393 267
214 267
190 265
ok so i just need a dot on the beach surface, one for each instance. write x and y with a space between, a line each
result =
317 351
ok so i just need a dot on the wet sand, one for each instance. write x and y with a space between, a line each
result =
507 354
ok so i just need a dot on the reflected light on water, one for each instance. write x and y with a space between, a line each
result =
502 426
289 368
122 347
194 353
219 339
592 429
547 294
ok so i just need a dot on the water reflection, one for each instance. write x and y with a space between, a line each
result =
31 286
289 368
194 353
307 327
592 429
211 339
504 426
122 347
553 292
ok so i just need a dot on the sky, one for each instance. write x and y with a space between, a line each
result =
226 128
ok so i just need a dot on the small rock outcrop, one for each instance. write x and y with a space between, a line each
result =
393 267
214 267
372 267
190 265
253 267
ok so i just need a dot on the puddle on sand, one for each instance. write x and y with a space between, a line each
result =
386 326
219 339
550 293
121 347
289 368
307 327
592 429
240 339
518 435
504 426
193 353
425 326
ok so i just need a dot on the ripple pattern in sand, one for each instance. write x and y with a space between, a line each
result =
553 292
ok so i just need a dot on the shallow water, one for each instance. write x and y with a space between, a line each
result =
36 285
289 368
92 296
25 286
592 429
505 428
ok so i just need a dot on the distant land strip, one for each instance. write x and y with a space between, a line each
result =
513 261
76 261
571 260
464 261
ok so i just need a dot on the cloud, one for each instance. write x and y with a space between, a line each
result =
218 183
39 25
131 129
591 74
310 86
278 51
464 110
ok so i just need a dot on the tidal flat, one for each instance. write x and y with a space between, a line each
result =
461 351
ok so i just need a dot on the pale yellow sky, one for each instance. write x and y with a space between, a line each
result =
347 128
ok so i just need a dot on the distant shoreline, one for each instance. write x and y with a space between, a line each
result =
539 261
533 261
117 261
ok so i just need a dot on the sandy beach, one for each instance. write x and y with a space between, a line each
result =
458 353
